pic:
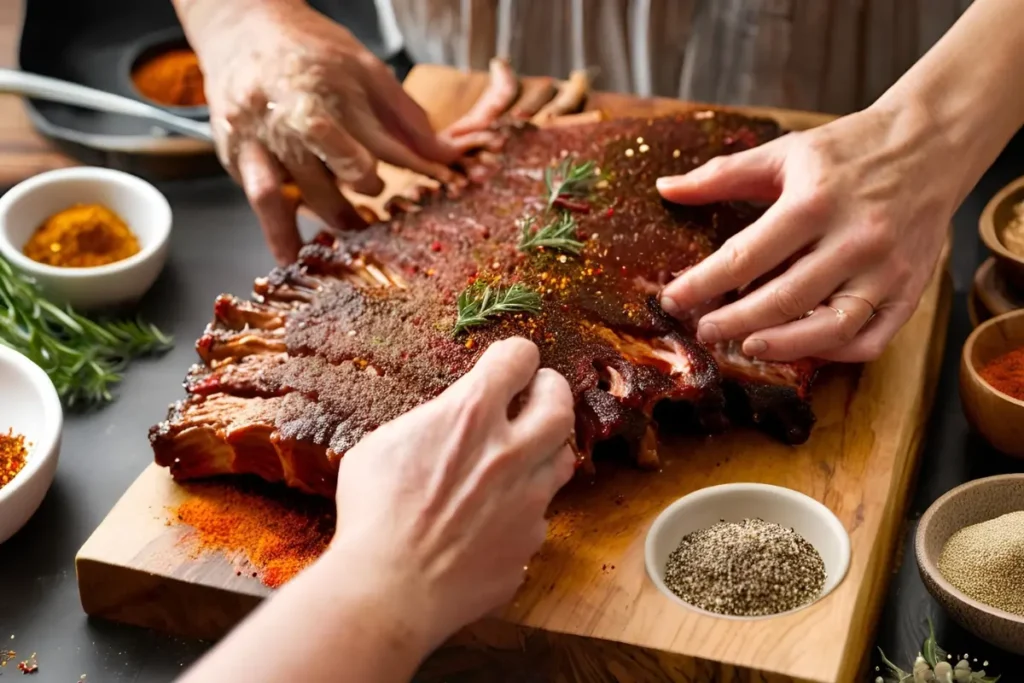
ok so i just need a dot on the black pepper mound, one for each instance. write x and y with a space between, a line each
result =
751 568
359 330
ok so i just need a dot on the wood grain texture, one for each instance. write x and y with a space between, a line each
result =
23 152
587 611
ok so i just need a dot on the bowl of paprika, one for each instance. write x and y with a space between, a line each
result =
31 420
90 237
992 381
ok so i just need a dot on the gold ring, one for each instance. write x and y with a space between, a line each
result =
841 295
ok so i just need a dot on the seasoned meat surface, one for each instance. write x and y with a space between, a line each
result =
359 330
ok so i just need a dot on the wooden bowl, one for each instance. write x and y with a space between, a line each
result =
994 219
996 416
993 292
974 502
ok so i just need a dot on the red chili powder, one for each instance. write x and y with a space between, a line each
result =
1006 373
279 533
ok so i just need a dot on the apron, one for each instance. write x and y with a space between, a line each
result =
833 56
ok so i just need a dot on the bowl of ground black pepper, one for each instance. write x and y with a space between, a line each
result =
992 381
970 553
746 551
31 421
90 237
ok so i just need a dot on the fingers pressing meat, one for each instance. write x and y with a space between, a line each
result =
501 92
570 97
534 96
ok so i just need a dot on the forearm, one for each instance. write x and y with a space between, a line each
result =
326 625
203 19
968 86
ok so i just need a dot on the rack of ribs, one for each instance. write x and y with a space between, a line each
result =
359 329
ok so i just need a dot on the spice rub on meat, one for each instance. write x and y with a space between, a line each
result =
359 330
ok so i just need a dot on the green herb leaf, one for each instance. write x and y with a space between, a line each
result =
477 303
83 358
930 650
559 234
569 179
898 673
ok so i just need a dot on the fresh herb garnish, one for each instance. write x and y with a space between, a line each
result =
83 358
569 179
933 663
559 234
479 302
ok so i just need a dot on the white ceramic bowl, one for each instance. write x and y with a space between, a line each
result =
31 408
146 211
734 503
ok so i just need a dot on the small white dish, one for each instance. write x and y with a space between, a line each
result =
734 503
143 208
32 409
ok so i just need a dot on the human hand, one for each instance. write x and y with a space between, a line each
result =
861 210
445 505
294 95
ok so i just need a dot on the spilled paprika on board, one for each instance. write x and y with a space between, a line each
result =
278 533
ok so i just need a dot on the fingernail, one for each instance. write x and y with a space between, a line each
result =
755 347
665 182
669 305
709 333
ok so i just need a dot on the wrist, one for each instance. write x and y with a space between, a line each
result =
404 604
938 135
206 21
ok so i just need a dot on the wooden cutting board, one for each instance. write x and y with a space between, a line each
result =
588 612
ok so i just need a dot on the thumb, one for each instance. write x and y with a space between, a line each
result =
751 175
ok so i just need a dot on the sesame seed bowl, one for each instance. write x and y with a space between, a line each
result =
30 409
790 509
972 503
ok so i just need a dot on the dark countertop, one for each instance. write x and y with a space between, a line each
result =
216 247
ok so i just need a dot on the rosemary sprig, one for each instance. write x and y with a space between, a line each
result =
82 357
569 179
933 663
479 302
559 234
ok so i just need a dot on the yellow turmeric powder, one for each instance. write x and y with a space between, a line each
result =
171 78
83 236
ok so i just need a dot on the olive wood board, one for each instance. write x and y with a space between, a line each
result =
587 611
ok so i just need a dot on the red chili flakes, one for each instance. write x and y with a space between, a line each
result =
30 665
470 343
435 246
610 212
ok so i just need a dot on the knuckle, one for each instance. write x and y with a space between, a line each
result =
846 329
788 303
716 165
737 261
871 350
815 204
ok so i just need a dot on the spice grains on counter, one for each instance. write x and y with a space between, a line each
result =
986 562
749 568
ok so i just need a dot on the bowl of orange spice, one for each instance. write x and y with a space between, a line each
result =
992 381
164 70
91 237
31 421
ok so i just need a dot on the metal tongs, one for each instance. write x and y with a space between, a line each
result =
15 82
